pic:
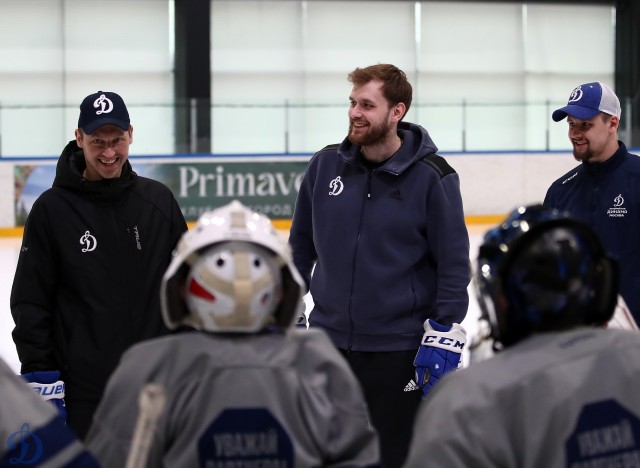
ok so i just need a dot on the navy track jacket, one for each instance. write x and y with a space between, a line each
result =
606 196
390 246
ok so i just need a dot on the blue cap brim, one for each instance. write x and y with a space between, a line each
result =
93 126
579 112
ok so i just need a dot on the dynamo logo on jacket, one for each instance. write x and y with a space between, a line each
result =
336 186
89 242
617 210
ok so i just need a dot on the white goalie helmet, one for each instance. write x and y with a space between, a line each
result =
232 272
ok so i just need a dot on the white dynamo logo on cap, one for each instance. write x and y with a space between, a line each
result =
576 94
103 104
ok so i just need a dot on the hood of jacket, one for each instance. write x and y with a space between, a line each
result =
416 143
69 176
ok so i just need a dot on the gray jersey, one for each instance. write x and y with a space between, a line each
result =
568 399
245 400
20 404
30 431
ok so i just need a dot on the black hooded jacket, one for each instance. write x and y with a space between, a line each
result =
88 276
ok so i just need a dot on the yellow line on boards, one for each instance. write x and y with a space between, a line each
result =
11 231
285 224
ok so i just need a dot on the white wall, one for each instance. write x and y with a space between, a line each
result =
493 184
485 75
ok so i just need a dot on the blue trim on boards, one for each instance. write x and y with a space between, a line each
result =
296 155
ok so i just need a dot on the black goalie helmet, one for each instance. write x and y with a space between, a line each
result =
542 270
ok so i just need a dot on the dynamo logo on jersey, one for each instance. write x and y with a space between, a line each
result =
24 446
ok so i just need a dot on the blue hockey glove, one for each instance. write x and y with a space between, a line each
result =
50 387
439 353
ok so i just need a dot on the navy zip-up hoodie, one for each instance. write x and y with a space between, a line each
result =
390 245
606 196
87 282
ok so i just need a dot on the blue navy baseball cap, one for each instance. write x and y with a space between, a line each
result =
103 108
587 101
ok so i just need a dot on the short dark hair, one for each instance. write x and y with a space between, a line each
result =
395 86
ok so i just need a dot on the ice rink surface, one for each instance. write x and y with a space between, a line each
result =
10 246
9 249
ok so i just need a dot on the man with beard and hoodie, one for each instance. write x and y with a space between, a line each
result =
379 219
95 247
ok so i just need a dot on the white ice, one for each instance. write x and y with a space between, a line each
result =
9 249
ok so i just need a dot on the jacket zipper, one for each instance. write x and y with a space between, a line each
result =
355 256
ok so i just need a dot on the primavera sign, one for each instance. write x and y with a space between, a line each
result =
268 184
268 187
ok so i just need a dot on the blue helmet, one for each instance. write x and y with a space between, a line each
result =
542 270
